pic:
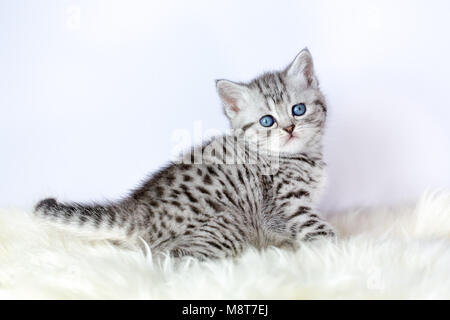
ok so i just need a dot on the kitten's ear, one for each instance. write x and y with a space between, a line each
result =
233 96
302 69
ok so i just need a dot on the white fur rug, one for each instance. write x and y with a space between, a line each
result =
382 254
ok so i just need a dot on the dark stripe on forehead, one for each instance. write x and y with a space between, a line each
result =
258 84
280 88
259 87
265 84
266 103
273 99
283 87
280 79
274 90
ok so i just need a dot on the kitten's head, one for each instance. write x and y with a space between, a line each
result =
281 111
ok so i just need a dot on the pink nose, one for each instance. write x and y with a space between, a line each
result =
289 129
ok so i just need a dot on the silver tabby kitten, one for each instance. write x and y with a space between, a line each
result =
257 187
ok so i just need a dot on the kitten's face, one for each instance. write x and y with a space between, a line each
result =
281 111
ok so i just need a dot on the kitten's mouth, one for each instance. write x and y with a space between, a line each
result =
290 138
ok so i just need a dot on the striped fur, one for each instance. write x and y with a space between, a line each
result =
233 191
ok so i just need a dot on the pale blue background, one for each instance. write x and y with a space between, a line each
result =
91 92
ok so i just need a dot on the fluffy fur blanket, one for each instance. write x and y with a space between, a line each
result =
389 253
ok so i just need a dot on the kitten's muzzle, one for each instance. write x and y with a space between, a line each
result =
289 129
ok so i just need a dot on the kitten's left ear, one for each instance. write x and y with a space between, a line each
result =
302 69
233 96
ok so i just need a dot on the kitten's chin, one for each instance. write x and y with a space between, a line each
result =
282 145
288 146
292 146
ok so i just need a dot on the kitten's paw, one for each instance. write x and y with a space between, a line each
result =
325 233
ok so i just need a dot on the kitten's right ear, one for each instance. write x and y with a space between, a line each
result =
302 69
233 96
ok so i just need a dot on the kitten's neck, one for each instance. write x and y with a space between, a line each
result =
313 151
312 148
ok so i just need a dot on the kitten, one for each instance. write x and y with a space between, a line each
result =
209 207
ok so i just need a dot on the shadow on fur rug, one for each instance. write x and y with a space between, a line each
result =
390 253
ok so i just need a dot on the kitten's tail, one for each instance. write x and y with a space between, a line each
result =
94 222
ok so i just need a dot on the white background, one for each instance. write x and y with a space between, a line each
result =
93 92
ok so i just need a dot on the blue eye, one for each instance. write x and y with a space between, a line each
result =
267 121
299 109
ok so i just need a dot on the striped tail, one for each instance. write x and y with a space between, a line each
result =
94 222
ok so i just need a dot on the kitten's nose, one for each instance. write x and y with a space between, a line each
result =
290 128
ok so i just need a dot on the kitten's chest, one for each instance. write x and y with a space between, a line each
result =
300 175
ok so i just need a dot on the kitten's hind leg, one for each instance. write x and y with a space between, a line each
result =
211 241
201 249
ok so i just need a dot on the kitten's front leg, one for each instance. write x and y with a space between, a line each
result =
305 225
297 221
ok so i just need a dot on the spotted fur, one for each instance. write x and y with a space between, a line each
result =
243 191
